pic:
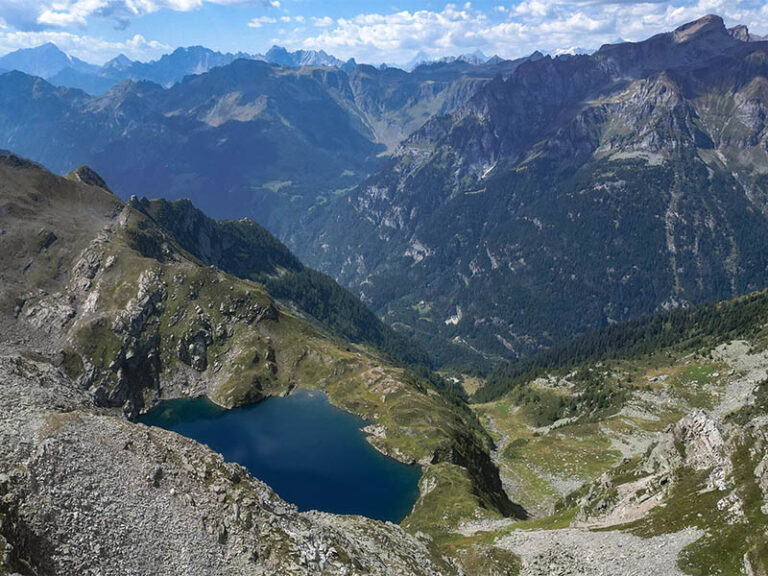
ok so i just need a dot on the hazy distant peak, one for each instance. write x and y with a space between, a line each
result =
119 62
45 61
282 57
418 59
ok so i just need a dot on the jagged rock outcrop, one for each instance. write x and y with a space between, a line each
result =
695 442
88 175
761 474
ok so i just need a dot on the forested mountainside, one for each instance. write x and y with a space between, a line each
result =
574 193
245 139
685 330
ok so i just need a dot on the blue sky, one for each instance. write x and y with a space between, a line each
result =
371 30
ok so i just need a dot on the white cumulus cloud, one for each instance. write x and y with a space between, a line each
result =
31 14
88 48
260 21
514 28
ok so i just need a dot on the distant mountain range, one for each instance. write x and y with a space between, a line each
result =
489 209
247 138
476 58
282 57
49 62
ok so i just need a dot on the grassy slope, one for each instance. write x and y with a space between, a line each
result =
247 250
666 366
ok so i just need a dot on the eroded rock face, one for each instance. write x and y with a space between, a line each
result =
761 470
148 301
82 491
696 442
193 348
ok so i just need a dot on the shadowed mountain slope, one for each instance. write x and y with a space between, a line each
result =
573 193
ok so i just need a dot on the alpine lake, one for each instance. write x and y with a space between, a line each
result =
311 453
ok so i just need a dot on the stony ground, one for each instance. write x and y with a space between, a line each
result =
583 553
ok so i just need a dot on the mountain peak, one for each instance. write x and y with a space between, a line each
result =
45 48
44 60
185 49
690 44
194 51
275 49
742 33
119 62
88 175
282 57
279 55
711 23
11 159
420 58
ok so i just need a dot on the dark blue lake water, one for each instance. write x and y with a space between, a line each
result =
310 452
